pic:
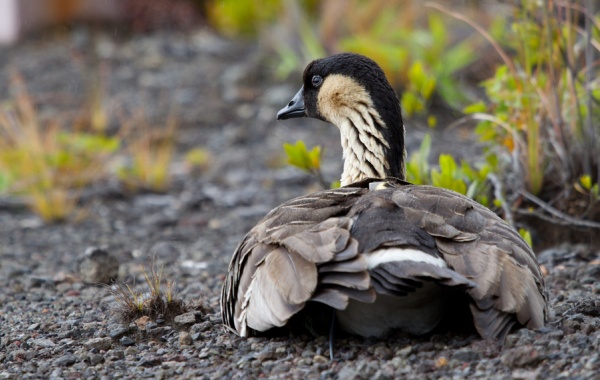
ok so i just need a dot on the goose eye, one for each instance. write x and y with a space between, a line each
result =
317 80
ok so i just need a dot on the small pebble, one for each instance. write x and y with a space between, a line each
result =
185 339
118 332
185 319
65 361
149 361
97 266
126 341
99 343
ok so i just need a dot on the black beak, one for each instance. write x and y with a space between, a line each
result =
295 107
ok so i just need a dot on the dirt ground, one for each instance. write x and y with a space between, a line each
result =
53 325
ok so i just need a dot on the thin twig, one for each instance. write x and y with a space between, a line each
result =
498 195
319 175
563 218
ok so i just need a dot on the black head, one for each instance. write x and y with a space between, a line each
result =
322 73
346 87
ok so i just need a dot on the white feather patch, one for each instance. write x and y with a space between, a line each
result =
402 254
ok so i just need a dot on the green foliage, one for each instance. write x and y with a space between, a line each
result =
423 60
235 17
449 175
247 17
418 91
586 185
47 163
542 101
308 160
49 174
464 178
198 158
302 158
43 163
417 167
290 60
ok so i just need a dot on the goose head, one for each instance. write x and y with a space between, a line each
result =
352 92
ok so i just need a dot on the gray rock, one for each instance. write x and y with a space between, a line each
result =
149 361
404 352
96 359
185 319
200 327
126 341
97 266
118 332
165 252
33 326
382 352
115 354
185 338
522 356
99 343
466 355
43 342
65 361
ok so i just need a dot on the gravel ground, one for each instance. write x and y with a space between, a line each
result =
54 325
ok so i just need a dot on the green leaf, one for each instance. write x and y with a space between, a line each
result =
448 165
478 107
411 103
431 121
197 157
526 235
416 74
438 31
472 190
586 181
457 57
301 158
315 157
90 143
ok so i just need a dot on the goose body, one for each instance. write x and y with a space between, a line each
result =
383 253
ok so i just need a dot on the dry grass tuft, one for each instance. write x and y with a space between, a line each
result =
158 301
44 162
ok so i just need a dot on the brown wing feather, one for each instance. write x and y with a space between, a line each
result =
482 247
273 272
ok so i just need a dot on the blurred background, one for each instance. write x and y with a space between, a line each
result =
500 98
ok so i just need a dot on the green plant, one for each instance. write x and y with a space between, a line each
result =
464 178
149 152
198 158
543 100
421 59
236 18
45 163
306 160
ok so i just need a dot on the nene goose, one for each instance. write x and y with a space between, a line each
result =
382 252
